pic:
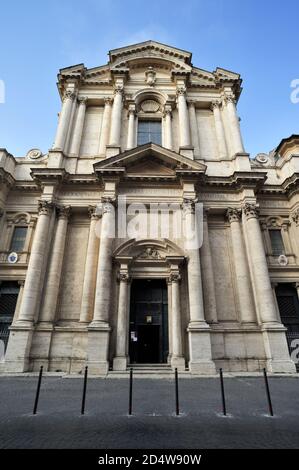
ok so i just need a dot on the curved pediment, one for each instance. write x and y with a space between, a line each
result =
149 51
148 249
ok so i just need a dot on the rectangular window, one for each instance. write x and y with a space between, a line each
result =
18 239
149 131
277 243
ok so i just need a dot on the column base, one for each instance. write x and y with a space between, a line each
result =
18 349
187 152
277 351
43 340
112 150
178 363
202 368
97 348
200 349
120 363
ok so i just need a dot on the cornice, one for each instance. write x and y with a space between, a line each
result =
49 175
288 187
6 178
238 180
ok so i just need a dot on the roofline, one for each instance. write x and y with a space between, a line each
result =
285 140
144 43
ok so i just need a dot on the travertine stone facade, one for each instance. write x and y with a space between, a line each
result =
75 281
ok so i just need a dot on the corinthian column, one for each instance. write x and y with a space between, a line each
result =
194 128
36 264
48 311
234 125
105 130
64 120
262 282
104 271
87 303
131 127
208 279
200 349
196 304
244 291
121 360
79 125
276 348
184 123
220 134
177 358
116 116
168 127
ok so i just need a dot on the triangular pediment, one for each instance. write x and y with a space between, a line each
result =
150 161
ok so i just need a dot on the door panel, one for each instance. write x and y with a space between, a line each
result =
288 303
149 322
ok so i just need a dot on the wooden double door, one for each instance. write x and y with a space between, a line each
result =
148 340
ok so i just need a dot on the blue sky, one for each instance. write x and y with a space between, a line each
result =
258 39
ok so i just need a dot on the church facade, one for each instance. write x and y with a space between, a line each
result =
96 267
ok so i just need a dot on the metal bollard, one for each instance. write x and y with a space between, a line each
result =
131 393
84 391
177 403
38 390
268 393
223 393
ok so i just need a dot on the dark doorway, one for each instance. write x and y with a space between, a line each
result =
149 322
288 302
9 292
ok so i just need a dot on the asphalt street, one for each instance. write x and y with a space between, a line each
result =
154 425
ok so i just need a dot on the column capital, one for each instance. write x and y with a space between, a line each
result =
119 90
82 100
188 206
229 99
45 207
106 206
64 212
251 211
1 212
181 90
132 109
216 104
108 101
174 278
21 283
69 95
233 215
124 277
295 217
167 111
93 214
